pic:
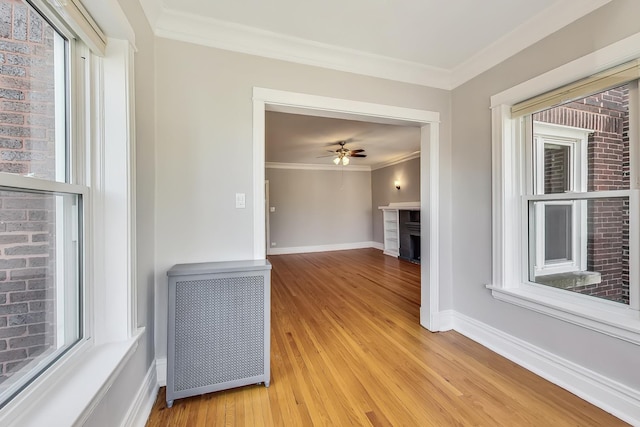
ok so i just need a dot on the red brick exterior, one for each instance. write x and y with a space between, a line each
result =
27 231
607 113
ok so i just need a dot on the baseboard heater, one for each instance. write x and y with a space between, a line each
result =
218 327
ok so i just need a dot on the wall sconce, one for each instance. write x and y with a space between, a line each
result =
397 184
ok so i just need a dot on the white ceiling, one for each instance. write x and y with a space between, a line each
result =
293 138
439 43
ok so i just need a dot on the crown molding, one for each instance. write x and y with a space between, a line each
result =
559 15
211 32
395 161
191 28
315 167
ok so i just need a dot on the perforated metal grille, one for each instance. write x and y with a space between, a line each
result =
219 331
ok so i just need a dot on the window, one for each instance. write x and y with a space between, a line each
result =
559 165
567 197
41 201
581 245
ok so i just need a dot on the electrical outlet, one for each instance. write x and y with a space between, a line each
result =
272 209
273 244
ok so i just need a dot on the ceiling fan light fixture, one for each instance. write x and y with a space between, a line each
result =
336 160
345 160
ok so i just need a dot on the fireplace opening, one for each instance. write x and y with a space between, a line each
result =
414 253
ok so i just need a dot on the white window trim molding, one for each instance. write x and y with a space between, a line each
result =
508 284
429 122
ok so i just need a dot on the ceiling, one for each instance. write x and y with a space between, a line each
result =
294 138
436 43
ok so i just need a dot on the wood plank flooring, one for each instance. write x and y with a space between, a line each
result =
347 350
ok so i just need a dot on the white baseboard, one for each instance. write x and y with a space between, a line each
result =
139 411
321 248
613 397
446 320
377 245
161 371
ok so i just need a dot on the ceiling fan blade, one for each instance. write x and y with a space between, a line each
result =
327 155
358 155
358 150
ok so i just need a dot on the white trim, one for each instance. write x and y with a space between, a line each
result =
192 28
616 398
75 16
377 245
78 389
161 371
615 54
259 214
315 167
397 160
430 238
377 113
111 19
602 316
116 283
139 411
211 32
550 20
323 248
447 319
429 180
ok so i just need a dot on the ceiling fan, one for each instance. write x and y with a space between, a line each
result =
343 154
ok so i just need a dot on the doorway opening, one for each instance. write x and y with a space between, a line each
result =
428 122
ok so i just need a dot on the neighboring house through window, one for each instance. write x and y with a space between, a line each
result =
559 166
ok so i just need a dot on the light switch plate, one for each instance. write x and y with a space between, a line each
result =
272 209
240 201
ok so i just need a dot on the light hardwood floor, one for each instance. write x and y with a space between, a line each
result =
347 350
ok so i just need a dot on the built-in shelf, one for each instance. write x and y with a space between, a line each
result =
391 221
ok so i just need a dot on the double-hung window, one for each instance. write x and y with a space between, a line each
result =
567 200
42 195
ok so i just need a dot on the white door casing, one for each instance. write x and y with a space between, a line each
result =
298 103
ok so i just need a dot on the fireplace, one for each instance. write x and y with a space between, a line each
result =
410 236
414 252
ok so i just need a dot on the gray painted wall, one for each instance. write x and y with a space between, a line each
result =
471 161
384 192
204 148
319 207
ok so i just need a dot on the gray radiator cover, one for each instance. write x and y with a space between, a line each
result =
218 327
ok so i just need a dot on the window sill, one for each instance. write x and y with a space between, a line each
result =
73 395
601 316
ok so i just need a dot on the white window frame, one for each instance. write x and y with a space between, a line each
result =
510 261
102 106
576 140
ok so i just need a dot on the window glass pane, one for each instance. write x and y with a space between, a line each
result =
556 168
558 232
33 94
604 117
39 283
600 235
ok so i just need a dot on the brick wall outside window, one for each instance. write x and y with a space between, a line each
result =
27 221
607 113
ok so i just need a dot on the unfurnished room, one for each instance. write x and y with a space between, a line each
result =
336 213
